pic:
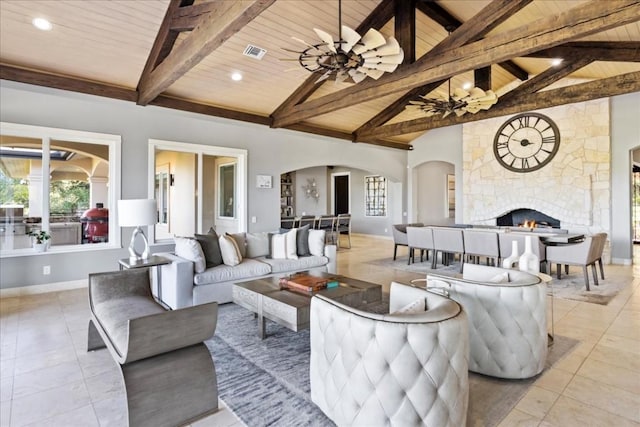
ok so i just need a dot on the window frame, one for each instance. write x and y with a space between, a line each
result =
201 150
385 196
46 134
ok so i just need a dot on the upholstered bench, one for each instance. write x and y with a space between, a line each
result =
168 373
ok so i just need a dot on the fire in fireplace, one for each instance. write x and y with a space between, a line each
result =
529 218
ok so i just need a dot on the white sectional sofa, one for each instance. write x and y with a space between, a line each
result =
183 286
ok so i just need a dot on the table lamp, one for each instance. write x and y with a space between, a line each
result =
137 213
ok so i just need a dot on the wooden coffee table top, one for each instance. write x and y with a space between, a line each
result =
270 287
292 309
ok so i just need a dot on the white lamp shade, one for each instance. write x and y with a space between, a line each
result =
136 212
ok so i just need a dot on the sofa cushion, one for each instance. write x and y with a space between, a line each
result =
302 241
190 249
283 246
241 241
257 244
210 247
224 273
302 263
414 307
316 242
230 252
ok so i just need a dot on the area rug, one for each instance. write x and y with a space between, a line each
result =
266 382
569 287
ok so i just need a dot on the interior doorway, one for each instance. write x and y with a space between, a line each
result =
340 200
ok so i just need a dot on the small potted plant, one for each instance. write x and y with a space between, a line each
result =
40 240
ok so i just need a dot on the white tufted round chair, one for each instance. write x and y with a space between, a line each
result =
507 312
403 369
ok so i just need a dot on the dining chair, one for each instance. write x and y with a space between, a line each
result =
420 238
584 254
481 244
328 224
287 222
448 241
307 220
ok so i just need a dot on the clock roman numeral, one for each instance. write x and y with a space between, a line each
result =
524 121
525 163
549 140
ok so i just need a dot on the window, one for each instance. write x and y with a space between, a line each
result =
375 191
60 181
226 191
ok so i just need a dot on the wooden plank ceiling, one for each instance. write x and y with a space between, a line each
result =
181 53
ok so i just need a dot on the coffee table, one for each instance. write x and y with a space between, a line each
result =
291 309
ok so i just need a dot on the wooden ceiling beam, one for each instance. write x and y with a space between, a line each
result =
57 81
209 110
214 29
546 78
581 21
497 11
451 23
482 78
186 18
376 20
165 39
612 86
599 51
405 28
317 130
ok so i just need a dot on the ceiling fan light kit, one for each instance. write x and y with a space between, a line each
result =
351 57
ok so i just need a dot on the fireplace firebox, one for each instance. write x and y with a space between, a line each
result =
523 217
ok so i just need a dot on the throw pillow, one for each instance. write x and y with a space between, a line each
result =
257 244
211 248
230 251
414 307
283 246
241 241
316 242
302 241
191 250
500 278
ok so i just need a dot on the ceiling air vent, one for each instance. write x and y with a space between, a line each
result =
254 51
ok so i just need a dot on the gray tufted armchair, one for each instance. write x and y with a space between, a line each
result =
391 369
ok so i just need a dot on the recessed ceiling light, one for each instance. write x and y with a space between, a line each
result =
556 62
236 77
42 24
466 86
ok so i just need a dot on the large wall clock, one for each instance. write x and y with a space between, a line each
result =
526 142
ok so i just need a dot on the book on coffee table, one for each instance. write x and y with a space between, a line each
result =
307 283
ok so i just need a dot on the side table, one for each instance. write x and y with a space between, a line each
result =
546 279
153 261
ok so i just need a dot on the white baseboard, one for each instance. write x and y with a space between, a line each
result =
621 261
42 289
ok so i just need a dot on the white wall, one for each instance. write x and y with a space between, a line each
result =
431 186
625 137
308 205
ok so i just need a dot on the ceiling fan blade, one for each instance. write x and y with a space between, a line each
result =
380 66
326 37
341 77
389 59
324 77
303 42
476 92
459 93
357 76
370 40
391 47
350 38
374 74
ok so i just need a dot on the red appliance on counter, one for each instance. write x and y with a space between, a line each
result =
96 224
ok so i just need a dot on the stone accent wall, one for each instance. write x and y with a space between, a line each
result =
574 187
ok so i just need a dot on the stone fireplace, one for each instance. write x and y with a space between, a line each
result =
527 218
574 189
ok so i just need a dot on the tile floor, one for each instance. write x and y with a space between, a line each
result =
48 379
